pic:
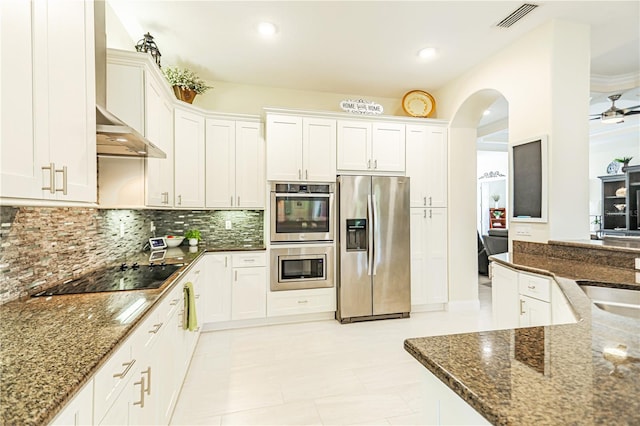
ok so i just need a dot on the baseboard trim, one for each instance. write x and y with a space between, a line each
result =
258 322
433 307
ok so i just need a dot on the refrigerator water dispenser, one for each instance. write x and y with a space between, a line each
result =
356 234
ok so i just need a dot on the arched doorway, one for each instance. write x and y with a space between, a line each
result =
463 204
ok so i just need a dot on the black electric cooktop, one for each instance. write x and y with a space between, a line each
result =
115 279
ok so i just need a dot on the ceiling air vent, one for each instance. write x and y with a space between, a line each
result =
516 15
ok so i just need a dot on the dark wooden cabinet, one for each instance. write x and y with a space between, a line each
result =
621 202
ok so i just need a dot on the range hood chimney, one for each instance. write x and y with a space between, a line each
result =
114 136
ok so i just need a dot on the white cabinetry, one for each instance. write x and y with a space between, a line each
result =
219 282
249 287
48 101
189 132
301 148
79 411
136 95
234 164
370 146
523 299
298 302
504 296
429 277
159 130
427 165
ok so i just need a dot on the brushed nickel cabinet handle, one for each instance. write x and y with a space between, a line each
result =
430 202
231 202
165 197
128 366
63 170
299 174
148 373
141 383
52 178
156 328
303 301
375 164
368 164
521 307
174 302
306 174
236 276
225 261
425 201
531 287
179 200
425 214
238 205
430 214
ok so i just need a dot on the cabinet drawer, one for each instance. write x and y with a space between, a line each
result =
112 378
535 286
247 260
301 302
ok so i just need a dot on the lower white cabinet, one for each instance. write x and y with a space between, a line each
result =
79 410
249 286
428 256
237 286
298 302
524 299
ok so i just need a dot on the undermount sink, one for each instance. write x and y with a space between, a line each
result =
619 301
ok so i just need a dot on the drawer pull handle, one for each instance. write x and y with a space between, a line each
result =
197 296
248 260
63 170
174 302
156 328
148 373
128 366
521 307
425 201
141 383
303 301
531 287
52 178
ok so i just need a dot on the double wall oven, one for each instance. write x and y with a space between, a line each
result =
302 225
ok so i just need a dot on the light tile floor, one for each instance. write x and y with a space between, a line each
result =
316 373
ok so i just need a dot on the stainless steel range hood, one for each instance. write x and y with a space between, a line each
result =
114 136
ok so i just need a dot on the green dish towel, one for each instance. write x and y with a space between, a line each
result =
189 319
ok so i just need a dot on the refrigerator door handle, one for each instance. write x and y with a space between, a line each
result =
373 232
370 245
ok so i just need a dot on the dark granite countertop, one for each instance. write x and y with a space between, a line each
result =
582 373
51 346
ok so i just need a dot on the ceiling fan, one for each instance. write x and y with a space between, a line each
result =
615 114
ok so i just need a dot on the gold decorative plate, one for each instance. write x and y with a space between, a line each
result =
418 103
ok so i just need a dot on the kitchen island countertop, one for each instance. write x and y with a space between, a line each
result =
581 373
51 346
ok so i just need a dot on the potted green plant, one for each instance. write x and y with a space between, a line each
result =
186 84
193 235
625 162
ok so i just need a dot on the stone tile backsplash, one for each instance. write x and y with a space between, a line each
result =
40 246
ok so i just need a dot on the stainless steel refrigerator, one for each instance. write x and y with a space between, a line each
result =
374 261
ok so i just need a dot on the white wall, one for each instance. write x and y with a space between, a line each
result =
544 76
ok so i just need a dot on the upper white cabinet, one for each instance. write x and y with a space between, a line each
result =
371 146
234 164
159 130
135 94
427 165
189 132
301 149
48 100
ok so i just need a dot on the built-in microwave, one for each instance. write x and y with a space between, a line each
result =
302 212
302 267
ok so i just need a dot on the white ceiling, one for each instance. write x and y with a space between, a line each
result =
366 48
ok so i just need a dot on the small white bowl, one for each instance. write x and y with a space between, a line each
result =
620 207
173 240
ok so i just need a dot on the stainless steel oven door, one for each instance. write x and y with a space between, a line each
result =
298 268
303 216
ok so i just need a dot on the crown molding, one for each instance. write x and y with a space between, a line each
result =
607 83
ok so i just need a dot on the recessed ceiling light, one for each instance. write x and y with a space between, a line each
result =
427 53
486 112
267 29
